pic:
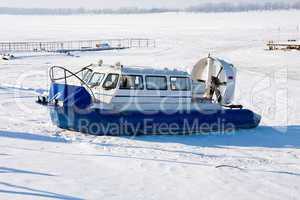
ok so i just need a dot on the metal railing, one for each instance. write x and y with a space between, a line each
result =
75 45
68 74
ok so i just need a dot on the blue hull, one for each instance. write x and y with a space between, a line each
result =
77 115
100 122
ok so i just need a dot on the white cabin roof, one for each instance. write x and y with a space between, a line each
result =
138 70
152 71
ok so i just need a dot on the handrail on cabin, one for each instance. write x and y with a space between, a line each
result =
65 77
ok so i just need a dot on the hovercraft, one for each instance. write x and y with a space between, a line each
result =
123 100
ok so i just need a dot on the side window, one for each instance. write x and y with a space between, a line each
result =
96 79
111 81
180 83
156 83
131 82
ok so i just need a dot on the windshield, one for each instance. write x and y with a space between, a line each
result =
111 81
96 79
86 75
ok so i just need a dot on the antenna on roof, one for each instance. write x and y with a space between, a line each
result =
119 65
100 62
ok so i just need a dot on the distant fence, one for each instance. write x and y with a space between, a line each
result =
75 45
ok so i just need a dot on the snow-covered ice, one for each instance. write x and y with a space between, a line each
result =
40 161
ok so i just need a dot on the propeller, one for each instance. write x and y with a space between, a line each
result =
215 86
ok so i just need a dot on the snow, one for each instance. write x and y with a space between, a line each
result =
40 161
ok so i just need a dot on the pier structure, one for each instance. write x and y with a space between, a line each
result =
284 45
8 47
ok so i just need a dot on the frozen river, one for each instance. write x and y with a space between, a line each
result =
39 161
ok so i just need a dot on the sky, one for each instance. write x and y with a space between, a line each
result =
114 3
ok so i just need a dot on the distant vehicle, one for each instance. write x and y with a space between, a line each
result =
99 47
119 100
103 45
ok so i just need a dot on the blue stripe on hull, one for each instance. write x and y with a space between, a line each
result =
99 122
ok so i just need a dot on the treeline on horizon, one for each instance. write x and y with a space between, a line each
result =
207 7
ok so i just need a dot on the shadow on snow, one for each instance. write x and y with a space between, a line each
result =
17 190
263 136
12 170
31 136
